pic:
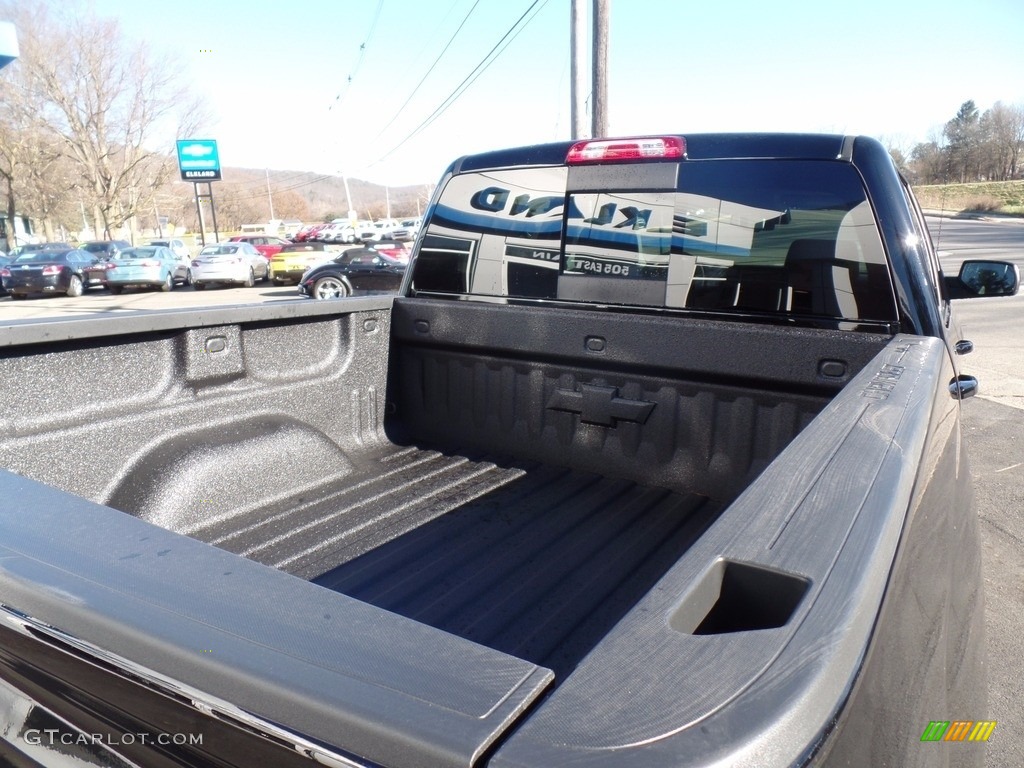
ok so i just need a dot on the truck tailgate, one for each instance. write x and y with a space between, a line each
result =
192 619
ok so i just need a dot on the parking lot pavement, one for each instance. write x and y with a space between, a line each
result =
995 442
95 303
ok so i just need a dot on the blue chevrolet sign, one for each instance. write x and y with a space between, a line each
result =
198 160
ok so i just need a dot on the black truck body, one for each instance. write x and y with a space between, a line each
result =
635 471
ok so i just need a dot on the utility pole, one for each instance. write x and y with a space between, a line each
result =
156 213
199 211
599 108
578 87
269 197
352 215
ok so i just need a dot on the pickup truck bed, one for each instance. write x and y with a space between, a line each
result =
489 516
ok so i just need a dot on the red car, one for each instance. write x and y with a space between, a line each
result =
268 245
314 233
303 234
390 247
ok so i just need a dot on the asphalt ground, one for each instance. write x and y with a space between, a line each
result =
993 429
994 438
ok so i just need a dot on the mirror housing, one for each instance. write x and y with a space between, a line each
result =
980 278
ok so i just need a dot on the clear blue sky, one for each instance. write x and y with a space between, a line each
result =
342 85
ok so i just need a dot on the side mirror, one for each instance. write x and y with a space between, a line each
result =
979 278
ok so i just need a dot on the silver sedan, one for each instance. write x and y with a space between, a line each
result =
229 264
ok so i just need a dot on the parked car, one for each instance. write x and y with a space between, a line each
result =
268 245
314 232
357 269
390 246
4 261
238 263
177 246
35 247
288 265
151 266
290 227
48 270
303 234
367 231
104 251
339 233
406 229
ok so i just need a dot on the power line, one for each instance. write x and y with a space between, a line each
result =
510 35
287 178
429 70
253 184
480 68
428 39
340 98
299 185
246 186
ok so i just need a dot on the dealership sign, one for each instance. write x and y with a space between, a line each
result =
198 160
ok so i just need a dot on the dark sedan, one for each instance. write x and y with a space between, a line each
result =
47 271
357 269
105 251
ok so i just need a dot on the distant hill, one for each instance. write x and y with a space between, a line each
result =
322 196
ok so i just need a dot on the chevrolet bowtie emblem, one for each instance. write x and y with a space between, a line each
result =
600 405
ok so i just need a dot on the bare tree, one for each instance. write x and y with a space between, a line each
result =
1016 131
113 105
289 204
972 146
237 204
49 188
26 148
17 149
900 149
1004 136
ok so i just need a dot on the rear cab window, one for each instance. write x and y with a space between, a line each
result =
785 238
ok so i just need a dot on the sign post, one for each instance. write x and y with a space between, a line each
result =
199 162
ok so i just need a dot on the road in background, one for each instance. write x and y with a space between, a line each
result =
994 325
